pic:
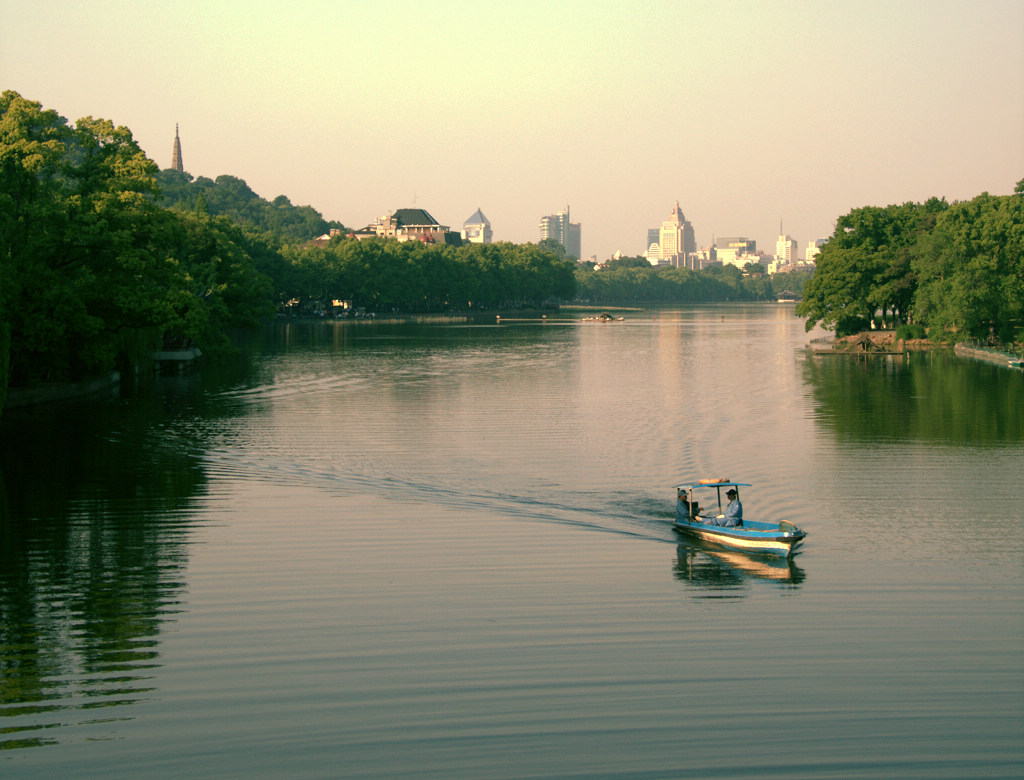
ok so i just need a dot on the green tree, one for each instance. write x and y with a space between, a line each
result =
865 267
231 197
32 149
971 270
217 285
85 260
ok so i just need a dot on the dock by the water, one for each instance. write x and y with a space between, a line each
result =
987 355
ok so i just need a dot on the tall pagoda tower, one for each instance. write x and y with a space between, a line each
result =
176 156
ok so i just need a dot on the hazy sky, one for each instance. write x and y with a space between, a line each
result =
747 113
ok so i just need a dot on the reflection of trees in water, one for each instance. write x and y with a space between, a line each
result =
923 396
729 574
91 560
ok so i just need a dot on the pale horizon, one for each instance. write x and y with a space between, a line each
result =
749 114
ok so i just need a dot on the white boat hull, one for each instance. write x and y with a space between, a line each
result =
769 542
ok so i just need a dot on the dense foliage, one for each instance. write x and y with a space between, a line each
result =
93 274
957 270
227 196
386 275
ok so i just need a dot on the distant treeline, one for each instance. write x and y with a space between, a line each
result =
634 280
227 196
955 271
384 275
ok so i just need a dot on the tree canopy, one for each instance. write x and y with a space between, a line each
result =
956 269
92 272
228 196
635 280
386 275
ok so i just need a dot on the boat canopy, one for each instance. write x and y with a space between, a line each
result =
711 484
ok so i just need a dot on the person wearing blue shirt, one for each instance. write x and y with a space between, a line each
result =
733 512
686 510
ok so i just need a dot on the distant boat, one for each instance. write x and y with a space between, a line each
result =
752 536
603 317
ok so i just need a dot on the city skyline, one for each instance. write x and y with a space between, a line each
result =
746 113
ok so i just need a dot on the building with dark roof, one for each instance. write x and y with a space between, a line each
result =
411 225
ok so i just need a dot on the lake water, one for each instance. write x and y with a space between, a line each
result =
444 549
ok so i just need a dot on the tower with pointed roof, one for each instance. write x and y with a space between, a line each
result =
676 240
176 156
477 229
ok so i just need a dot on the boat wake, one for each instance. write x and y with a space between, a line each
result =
616 512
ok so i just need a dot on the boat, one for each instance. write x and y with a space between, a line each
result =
753 536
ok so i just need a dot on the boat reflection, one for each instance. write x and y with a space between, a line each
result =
723 573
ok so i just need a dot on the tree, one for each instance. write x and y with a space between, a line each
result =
217 286
971 270
231 197
865 267
629 262
85 246
32 146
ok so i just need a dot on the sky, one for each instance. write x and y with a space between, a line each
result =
752 115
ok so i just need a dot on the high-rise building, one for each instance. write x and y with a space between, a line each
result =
574 241
785 250
477 229
736 251
559 229
673 243
176 155
653 237
676 236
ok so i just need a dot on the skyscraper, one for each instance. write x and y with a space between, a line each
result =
785 249
559 229
176 156
673 242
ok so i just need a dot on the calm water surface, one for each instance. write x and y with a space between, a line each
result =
444 550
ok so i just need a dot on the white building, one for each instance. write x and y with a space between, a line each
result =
675 241
737 251
477 229
813 249
785 250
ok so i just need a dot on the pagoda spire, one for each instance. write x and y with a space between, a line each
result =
176 156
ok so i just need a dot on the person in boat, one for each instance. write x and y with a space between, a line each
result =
733 511
685 508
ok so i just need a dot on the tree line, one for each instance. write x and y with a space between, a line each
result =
953 271
635 280
104 259
384 275
231 197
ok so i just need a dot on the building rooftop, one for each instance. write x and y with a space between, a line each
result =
411 217
477 219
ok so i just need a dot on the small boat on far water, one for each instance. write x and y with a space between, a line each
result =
752 536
